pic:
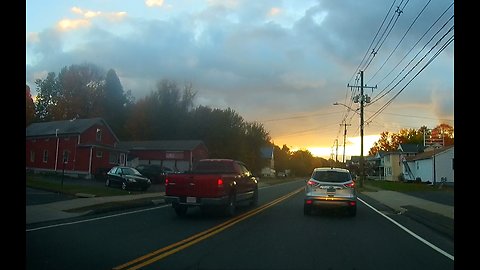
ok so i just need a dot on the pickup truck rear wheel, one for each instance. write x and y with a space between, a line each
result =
180 210
231 205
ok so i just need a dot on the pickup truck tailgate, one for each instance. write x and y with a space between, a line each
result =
197 185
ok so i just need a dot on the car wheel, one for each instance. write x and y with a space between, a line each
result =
124 186
180 210
107 183
307 210
230 207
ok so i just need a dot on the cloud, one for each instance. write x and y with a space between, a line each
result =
69 24
87 17
154 3
264 59
274 11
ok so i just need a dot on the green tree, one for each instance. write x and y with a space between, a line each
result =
137 125
48 98
81 89
255 137
301 162
282 157
29 107
115 103
171 110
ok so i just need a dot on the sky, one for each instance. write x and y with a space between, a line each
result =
279 63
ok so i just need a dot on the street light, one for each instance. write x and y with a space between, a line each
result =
348 107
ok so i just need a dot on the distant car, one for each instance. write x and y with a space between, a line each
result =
127 178
330 188
155 173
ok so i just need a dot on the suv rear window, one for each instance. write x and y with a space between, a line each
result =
331 176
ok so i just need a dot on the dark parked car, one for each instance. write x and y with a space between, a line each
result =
127 178
156 173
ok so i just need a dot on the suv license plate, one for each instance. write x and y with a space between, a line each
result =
191 199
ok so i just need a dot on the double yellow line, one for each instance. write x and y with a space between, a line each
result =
178 246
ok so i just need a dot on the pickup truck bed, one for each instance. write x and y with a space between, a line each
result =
213 183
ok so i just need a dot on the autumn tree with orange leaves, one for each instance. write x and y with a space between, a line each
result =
390 141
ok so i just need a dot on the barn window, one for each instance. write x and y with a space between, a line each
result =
45 156
99 135
66 155
32 156
99 154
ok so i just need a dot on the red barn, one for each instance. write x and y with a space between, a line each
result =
178 155
78 147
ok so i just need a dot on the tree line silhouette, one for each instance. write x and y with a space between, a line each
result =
168 112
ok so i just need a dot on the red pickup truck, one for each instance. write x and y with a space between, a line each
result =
212 183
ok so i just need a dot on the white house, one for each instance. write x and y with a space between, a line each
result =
433 165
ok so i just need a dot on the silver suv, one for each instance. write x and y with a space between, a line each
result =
330 188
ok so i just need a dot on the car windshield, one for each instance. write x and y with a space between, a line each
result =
331 176
130 171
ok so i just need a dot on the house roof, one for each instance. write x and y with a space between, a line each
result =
428 154
410 148
380 154
167 145
64 127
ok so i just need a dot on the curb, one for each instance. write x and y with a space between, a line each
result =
437 222
85 195
118 206
441 224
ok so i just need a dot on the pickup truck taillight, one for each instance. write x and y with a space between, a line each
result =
220 182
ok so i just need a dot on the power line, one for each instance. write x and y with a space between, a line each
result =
401 40
380 95
355 73
450 40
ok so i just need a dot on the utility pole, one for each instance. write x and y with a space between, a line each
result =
344 138
336 151
363 99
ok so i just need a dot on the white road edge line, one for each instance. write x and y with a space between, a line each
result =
93 219
410 232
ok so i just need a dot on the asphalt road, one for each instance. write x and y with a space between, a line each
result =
275 235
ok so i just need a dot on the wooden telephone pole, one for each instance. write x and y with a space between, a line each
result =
363 99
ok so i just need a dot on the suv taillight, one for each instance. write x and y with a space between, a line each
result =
350 185
311 183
